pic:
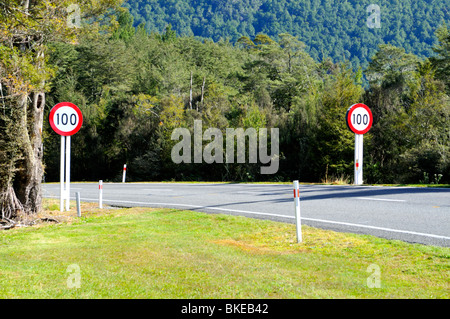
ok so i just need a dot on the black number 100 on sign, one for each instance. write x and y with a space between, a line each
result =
360 119
65 118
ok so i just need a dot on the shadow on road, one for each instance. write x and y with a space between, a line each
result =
330 192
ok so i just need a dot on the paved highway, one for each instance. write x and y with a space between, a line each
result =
417 215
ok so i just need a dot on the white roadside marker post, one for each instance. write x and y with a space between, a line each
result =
124 172
298 221
77 195
100 194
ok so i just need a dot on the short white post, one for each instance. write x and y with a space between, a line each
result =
298 221
100 194
124 172
77 195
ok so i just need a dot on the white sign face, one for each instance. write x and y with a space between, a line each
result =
359 119
66 118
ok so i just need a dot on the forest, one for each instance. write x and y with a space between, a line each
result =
135 85
330 28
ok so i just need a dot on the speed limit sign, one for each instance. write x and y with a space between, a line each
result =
359 118
66 118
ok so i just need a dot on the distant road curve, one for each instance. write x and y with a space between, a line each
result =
412 214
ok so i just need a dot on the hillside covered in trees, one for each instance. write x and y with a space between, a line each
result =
134 88
330 28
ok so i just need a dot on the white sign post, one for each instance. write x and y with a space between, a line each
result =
67 173
359 145
65 119
62 194
359 120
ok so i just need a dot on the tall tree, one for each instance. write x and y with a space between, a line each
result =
341 90
26 28
442 60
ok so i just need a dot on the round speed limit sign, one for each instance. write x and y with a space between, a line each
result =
66 118
359 118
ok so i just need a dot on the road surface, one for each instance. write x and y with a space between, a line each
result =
412 214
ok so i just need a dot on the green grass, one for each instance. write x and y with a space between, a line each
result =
165 253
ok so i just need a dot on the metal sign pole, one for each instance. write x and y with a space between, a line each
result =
356 162
359 159
61 174
67 173
360 155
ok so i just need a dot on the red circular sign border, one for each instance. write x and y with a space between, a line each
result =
52 114
349 114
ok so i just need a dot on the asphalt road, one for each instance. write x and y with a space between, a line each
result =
416 215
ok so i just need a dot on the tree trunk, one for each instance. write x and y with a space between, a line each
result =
27 183
9 204
203 92
21 189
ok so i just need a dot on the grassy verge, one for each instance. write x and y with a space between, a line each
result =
165 253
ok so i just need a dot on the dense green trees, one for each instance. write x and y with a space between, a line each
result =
330 28
26 28
135 88
411 116
441 61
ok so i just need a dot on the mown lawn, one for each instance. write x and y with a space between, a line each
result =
166 253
